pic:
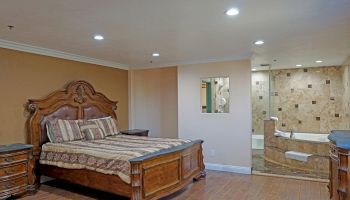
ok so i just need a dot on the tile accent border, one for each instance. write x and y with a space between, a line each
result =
254 172
228 168
59 54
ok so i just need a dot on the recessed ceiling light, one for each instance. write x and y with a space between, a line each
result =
98 37
232 12
259 42
253 69
298 65
155 54
318 61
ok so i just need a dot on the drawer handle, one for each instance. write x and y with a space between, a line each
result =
8 172
7 185
9 159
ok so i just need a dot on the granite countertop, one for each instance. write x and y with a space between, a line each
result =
14 147
341 138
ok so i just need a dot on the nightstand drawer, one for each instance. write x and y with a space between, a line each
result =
13 170
18 182
16 170
13 158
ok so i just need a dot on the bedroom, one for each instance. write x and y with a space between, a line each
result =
151 58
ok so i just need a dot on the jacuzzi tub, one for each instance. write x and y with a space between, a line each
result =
257 141
277 143
311 137
314 137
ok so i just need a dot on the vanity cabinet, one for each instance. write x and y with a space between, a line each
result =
339 174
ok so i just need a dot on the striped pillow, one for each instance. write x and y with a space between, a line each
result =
59 130
107 124
91 130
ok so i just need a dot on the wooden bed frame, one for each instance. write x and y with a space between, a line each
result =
152 176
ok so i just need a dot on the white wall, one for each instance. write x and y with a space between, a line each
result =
229 135
153 101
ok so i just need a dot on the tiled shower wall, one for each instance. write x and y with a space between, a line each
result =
260 100
304 100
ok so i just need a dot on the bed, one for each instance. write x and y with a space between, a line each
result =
151 176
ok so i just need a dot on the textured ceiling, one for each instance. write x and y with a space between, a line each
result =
184 31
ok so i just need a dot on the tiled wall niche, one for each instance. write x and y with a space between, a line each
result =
305 100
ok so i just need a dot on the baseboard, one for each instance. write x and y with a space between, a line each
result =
44 179
228 168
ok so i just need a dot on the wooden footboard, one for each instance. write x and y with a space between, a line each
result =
156 175
152 176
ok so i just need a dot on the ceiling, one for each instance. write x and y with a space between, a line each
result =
184 31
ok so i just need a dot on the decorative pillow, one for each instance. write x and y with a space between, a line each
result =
107 124
59 130
91 130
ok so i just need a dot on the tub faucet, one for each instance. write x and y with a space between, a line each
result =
291 134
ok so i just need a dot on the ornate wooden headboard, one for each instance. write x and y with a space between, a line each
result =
78 100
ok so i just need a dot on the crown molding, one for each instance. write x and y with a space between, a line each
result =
193 62
59 54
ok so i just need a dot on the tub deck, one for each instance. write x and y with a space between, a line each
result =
275 148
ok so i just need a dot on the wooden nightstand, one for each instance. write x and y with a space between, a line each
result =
15 170
138 132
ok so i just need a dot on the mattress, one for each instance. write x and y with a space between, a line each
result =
109 156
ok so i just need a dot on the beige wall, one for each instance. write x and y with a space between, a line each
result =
227 135
25 75
153 101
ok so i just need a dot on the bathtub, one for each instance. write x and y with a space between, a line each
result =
314 137
257 141
278 143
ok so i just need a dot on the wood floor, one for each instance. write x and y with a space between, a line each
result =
217 186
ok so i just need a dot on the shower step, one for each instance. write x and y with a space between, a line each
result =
295 155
